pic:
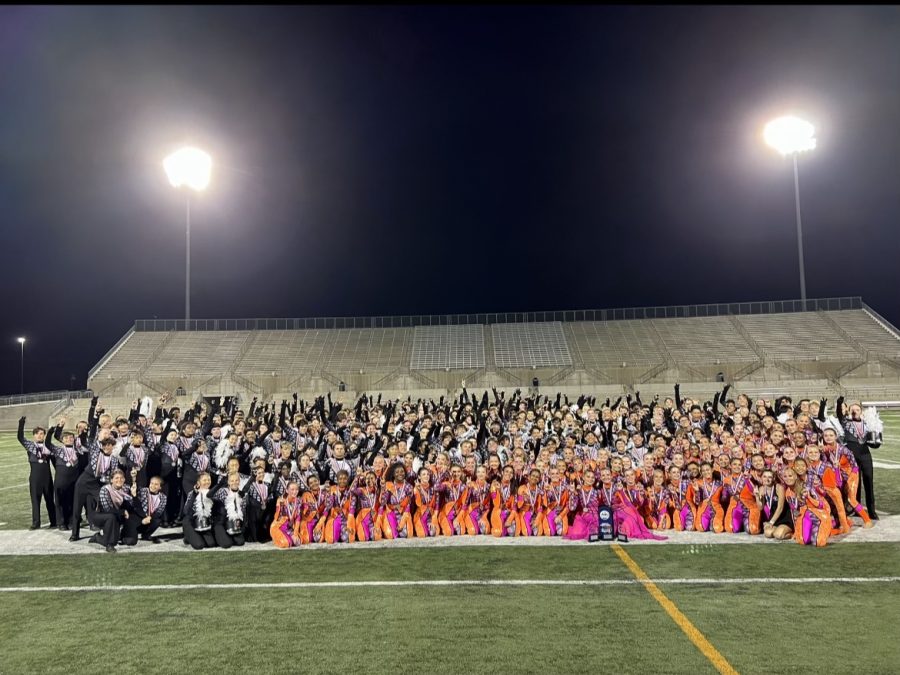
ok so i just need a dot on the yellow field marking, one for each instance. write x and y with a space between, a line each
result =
683 622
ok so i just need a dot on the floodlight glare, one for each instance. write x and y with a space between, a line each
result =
21 341
789 135
190 167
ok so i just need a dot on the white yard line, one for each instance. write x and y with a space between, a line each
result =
447 582
21 485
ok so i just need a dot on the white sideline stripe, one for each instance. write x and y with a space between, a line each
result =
446 582
21 485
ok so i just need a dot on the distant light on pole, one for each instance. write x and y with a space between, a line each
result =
21 342
790 136
191 168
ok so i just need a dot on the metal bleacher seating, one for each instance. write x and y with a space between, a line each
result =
800 336
699 341
343 349
442 347
530 345
205 352
132 354
606 344
872 336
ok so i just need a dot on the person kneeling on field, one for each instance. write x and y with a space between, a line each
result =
228 513
198 515
115 510
150 508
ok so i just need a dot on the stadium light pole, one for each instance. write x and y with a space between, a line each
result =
188 167
21 342
790 136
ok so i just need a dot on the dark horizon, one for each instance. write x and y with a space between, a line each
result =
417 160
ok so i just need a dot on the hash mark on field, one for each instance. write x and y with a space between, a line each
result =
444 582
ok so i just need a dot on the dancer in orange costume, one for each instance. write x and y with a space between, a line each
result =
829 477
708 495
503 497
425 519
743 514
396 498
656 506
530 506
846 471
340 526
365 509
478 506
316 506
556 505
286 527
454 498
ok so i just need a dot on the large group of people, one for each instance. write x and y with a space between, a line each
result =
524 466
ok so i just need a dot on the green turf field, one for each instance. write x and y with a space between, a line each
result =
458 629
756 627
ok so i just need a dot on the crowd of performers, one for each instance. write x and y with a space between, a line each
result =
522 466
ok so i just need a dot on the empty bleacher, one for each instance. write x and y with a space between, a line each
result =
799 336
132 354
608 344
868 333
205 353
697 341
762 342
304 351
530 345
442 347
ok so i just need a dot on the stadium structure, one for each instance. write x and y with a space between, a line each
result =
823 348
830 345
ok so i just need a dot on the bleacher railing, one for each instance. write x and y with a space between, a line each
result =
620 314
45 396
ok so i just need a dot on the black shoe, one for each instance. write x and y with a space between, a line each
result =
111 549
73 538
35 527
95 539
52 525
873 515
61 528
156 540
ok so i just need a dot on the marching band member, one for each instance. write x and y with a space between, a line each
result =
228 513
115 508
150 508
40 482
101 465
66 458
197 515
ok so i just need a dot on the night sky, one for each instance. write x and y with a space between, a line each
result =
433 160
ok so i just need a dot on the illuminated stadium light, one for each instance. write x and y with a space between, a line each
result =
790 135
21 342
190 167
